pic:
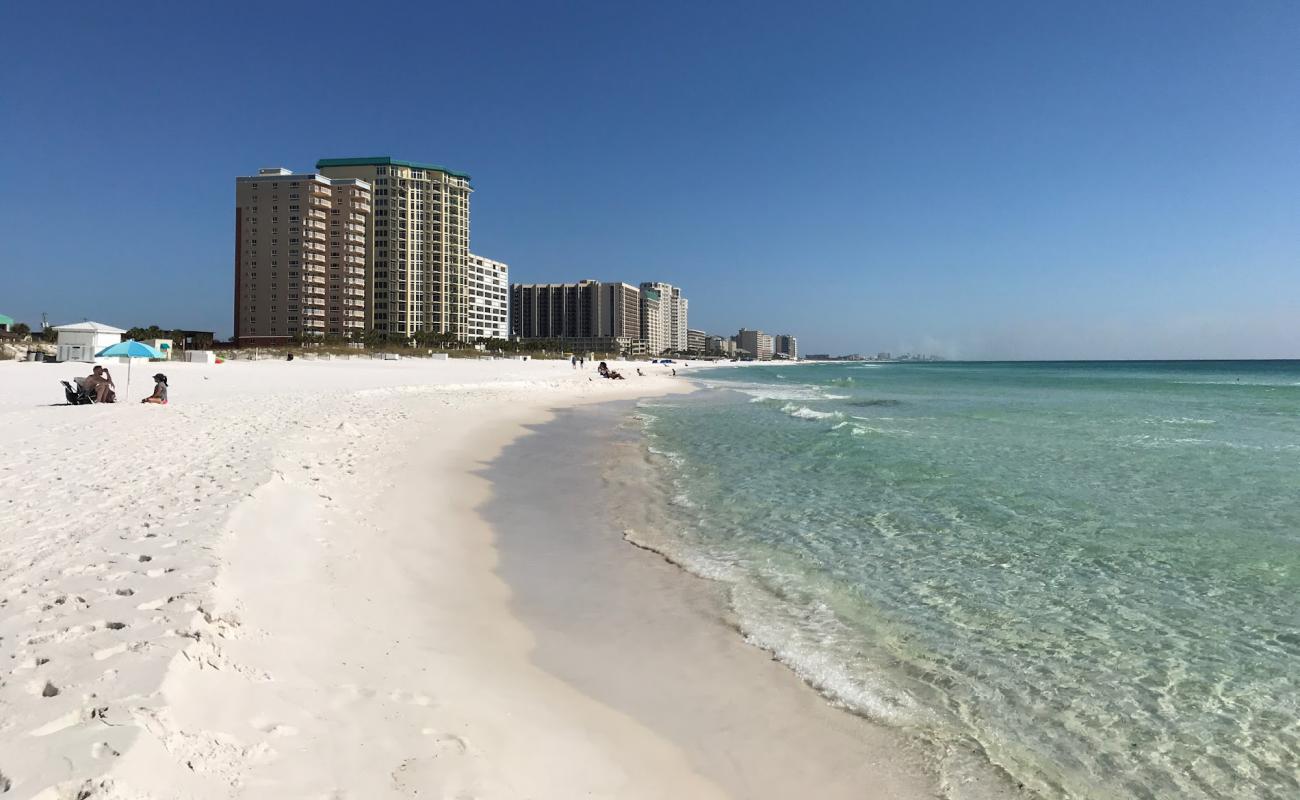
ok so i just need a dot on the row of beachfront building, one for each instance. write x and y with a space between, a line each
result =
649 319
382 245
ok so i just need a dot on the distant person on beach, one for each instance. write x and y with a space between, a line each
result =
100 384
582 362
159 395
639 372
674 372
574 361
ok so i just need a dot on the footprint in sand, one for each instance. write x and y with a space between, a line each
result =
57 724
271 728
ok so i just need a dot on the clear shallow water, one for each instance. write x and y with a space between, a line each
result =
1082 579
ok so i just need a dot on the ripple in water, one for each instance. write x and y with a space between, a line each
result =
1081 579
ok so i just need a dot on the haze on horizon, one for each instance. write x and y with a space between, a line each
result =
1000 180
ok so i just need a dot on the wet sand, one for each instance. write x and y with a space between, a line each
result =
632 631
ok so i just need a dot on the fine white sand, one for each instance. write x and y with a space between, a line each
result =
280 586
276 587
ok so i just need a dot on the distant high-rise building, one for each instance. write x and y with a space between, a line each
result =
300 256
715 345
670 317
679 324
695 341
755 343
419 239
786 346
588 315
488 290
656 319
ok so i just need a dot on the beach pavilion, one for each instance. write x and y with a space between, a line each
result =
80 341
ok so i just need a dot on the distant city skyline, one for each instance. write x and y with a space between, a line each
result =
1008 180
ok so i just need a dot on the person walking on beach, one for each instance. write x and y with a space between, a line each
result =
574 361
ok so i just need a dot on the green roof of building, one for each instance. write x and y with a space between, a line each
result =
381 161
6 320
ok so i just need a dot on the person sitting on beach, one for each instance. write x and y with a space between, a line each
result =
159 395
639 372
100 384
603 369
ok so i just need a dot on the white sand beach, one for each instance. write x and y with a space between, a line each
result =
278 586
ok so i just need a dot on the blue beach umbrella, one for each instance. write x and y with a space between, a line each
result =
132 350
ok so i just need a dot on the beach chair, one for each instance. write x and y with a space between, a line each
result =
77 394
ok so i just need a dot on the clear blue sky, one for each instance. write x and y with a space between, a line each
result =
1025 179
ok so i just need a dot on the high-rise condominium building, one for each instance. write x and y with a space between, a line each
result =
419 245
656 319
756 344
786 346
488 288
681 341
671 318
695 341
300 256
588 315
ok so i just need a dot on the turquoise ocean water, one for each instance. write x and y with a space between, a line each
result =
1070 580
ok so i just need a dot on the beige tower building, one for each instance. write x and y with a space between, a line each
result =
419 245
300 256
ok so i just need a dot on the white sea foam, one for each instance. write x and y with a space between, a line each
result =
1178 421
759 392
674 458
804 412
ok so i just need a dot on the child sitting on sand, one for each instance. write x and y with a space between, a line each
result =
159 395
